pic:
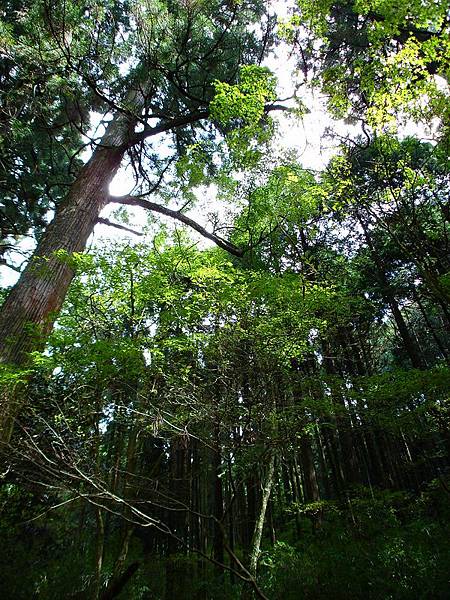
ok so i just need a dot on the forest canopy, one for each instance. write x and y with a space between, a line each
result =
246 395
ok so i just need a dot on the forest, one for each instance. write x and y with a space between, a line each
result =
242 391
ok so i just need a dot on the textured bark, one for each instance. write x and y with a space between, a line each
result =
40 291
30 310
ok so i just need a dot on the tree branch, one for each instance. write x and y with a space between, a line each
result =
179 216
188 119
269 107
167 126
117 226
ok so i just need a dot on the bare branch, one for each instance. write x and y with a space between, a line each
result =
179 216
118 226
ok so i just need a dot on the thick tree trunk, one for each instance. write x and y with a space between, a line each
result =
32 306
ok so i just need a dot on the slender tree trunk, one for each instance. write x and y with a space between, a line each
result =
402 327
99 511
218 547
251 485
431 328
176 573
324 469
120 576
408 341
311 489
332 456
118 584
99 553
259 525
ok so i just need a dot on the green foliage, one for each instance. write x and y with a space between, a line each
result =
240 111
58 67
168 341
173 373
378 59
387 545
246 100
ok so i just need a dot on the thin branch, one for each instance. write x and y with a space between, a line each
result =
187 120
117 226
179 216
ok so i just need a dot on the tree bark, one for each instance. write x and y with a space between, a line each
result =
259 525
32 306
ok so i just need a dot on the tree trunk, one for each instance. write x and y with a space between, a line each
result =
259 525
431 328
99 554
389 298
408 342
120 576
218 541
117 585
310 487
32 306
